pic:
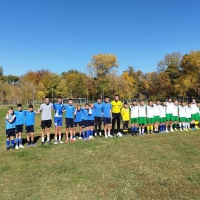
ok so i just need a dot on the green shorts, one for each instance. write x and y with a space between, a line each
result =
142 121
134 120
169 117
197 117
156 119
193 117
150 120
175 118
162 119
182 119
187 119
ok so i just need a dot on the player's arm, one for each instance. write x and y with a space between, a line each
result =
10 120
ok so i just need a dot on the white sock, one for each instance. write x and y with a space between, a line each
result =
180 125
139 130
48 139
55 138
105 134
42 139
188 124
59 137
108 133
142 130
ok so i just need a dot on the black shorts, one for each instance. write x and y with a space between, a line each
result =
30 129
77 123
106 120
10 132
19 128
90 122
46 123
84 123
69 122
97 119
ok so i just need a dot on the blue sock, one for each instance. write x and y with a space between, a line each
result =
87 134
164 127
20 141
16 141
132 128
13 143
7 143
136 129
83 133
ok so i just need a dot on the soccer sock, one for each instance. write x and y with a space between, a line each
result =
55 138
48 139
83 134
16 141
132 128
13 143
188 124
183 125
148 127
142 130
20 141
108 133
151 128
42 139
59 137
7 143
180 126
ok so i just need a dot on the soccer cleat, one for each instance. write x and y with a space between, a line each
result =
42 143
66 140
185 129
7 148
166 131
171 130
109 135
197 127
13 147
55 142
48 142
176 129
80 138
100 134
16 147
60 141
106 136
72 140
181 129
21 146
33 144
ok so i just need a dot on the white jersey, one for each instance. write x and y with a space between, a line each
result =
134 111
175 110
182 111
197 110
188 112
142 111
150 111
169 108
193 108
162 111
156 110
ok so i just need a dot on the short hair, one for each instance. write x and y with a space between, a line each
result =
157 99
70 99
47 97
10 108
30 106
87 104
150 101
189 102
133 100
106 97
116 95
59 97
141 100
125 103
99 98
19 105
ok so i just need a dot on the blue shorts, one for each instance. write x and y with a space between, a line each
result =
91 123
30 129
69 122
106 120
10 132
58 121
77 123
84 123
19 128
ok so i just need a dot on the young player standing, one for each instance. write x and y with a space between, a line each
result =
150 117
175 115
78 121
182 115
193 113
46 108
98 116
134 117
125 112
58 119
169 114
20 119
162 115
156 114
188 116
91 120
142 117
107 116
10 128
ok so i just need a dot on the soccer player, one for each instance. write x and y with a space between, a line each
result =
182 115
156 114
188 116
134 117
58 119
125 113
107 116
10 128
91 120
29 122
20 119
198 114
163 117
150 117
46 108
78 120
193 113
98 116
69 120
175 115
116 113
169 115
142 117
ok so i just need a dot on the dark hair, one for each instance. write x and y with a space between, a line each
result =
116 95
87 104
99 98
70 99
141 100
157 99
182 101
150 101
59 97
10 108
47 97
106 97
133 100
30 106
125 103
19 105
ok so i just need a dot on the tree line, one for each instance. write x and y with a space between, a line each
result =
176 75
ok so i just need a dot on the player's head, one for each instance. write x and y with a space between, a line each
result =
59 99
10 111
182 103
46 100
163 103
125 104
157 101
106 99
70 102
193 100
176 102
87 106
142 102
99 100
78 107
150 103
30 108
198 103
134 102
189 104
19 106
91 105
169 99
116 97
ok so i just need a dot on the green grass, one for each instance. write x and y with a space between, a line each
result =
163 166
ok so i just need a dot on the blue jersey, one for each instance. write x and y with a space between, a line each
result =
106 108
30 118
98 109
58 107
91 116
20 117
78 116
85 113
12 124
69 111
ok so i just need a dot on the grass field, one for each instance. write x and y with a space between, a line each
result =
160 166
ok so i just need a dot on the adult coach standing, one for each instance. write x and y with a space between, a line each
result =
46 122
116 113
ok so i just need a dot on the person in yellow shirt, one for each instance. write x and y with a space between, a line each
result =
116 113
125 112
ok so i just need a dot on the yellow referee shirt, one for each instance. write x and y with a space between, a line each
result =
116 106
125 112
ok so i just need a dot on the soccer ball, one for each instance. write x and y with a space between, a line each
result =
119 135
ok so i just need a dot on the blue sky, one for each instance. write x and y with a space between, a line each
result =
60 35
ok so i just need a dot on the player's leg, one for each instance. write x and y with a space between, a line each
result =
67 129
43 126
17 137
95 126
118 122
99 125
71 122
32 139
80 131
105 127
8 139
20 136
114 118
